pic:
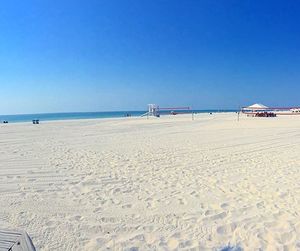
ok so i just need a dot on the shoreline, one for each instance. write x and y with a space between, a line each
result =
113 118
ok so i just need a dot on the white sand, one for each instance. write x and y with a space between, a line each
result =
164 184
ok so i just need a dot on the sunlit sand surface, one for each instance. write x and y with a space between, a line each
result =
166 184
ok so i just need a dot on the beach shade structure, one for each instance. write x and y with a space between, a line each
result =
15 241
256 107
253 109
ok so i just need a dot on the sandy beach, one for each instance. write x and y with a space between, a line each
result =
166 183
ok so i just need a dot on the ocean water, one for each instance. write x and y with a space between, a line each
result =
87 115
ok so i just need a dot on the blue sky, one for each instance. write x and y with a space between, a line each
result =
60 56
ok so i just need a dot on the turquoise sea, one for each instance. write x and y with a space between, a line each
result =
87 115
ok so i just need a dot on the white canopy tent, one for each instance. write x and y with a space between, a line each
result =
256 107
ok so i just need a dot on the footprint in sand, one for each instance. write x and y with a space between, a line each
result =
97 210
287 238
127 206
224 206
195 194
209 212
226 229
219 216
182 201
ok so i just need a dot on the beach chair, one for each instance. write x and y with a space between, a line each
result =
15 241
35 121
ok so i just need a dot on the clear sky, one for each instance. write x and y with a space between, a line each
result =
60 56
